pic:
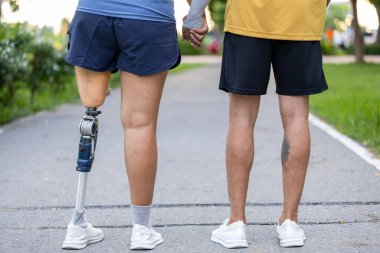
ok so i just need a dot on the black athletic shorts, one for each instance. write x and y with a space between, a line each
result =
246 66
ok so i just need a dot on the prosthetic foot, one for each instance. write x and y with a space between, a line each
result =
80 233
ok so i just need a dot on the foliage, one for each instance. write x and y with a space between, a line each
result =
336 16
14 67
31 67
373 49
217 9
328 48
14 4
376 3
186 48
351 103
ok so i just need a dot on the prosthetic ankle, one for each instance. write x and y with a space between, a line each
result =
88 128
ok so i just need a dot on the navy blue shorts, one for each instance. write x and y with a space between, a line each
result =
101 43
247 61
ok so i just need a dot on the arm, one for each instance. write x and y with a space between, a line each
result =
194 18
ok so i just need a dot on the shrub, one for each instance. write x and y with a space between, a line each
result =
328 48
32 66
372 49
187 49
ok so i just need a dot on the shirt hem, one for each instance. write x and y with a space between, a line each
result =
265 35
127 15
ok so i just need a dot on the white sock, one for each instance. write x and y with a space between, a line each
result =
141 215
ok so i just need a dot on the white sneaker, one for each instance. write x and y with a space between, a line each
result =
230 236
290 234
78 237
144 238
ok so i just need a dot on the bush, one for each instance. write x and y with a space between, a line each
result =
373 49
32 66
14 67
187 49
328 48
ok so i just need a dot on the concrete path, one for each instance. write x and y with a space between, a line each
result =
340 209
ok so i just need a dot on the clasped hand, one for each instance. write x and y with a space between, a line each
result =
196 35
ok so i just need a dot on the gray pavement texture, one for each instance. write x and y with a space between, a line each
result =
340 209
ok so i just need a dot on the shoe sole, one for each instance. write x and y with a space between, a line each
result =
146 245
298 242
230 244
81 244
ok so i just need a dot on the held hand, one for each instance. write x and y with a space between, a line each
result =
197 35
185 31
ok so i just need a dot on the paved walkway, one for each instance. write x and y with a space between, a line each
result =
340 206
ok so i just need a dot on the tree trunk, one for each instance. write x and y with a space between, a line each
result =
359 42
378 28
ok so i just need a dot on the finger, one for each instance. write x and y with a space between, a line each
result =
203 30
193 45
194 41
198 36
185 33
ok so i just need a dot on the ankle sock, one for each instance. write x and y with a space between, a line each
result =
141 215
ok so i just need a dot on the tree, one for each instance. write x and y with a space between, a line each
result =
358 39
13 3
336 16
217 9
376 3
14 40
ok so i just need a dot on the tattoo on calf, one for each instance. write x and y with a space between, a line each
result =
285 150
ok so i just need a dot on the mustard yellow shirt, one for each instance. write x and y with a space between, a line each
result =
276 19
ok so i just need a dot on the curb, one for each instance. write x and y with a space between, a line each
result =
351 144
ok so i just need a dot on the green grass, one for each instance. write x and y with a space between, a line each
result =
45 100
352 102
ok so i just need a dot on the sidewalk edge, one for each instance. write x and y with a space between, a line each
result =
351 144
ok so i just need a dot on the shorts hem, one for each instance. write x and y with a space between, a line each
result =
301 92
242 92
153 71
81 65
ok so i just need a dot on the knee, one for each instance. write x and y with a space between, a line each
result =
93 101
136 120
294 119
244 110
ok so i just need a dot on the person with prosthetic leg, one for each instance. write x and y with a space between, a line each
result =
138 40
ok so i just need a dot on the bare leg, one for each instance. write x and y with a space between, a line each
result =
295 151
240 151
140 100
92 86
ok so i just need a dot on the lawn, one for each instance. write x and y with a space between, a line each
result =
352 102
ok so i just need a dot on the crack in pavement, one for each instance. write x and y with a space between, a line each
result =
200 224
336 203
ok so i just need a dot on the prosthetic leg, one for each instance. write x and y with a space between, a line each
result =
80 233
